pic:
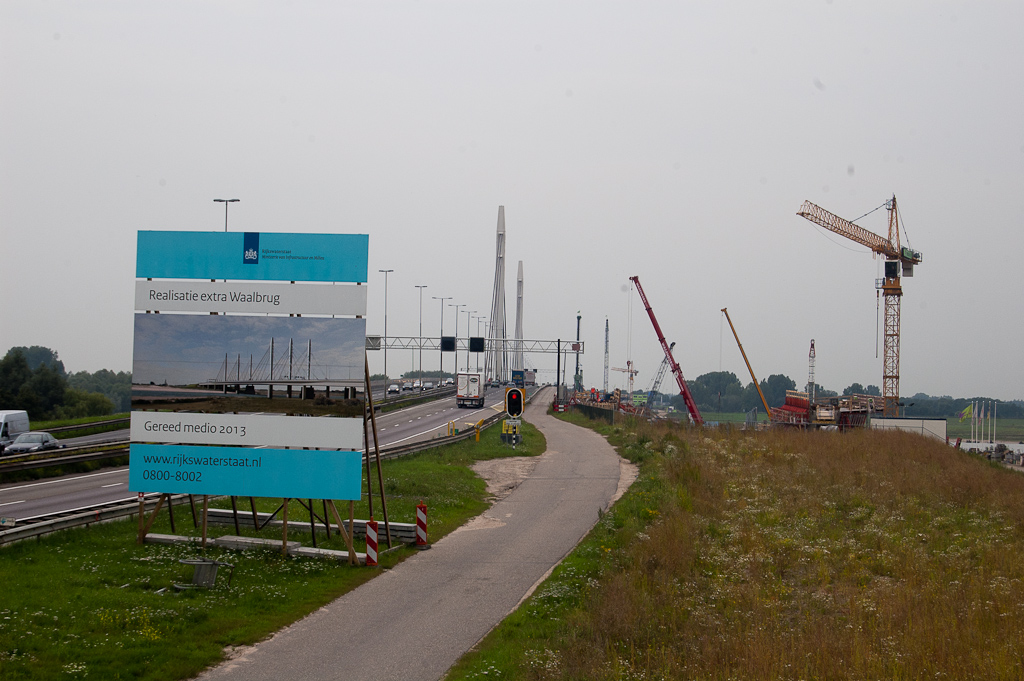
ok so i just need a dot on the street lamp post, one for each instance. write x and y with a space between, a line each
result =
468 332
420 343
386 272
440 365
226 202
457 306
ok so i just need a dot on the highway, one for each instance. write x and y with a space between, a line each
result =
24 500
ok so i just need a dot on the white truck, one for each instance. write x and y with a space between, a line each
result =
12 424
469 390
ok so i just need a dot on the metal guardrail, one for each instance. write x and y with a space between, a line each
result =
128 509
86 426
24 465
82 518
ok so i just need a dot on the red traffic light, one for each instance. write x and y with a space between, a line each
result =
514 402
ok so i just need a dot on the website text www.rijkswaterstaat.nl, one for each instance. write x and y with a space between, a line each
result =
190 460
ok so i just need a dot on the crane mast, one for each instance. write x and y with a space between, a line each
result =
896 259
811 387
691 406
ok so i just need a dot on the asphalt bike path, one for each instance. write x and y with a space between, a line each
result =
416 620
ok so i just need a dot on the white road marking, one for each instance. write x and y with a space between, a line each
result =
11 503
56 480
113 484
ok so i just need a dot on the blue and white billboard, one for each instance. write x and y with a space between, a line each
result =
236 334
267 256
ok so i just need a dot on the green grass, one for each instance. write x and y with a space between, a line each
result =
85 423
782 555
1007 430
91 603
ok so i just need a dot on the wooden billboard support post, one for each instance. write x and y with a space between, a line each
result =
347 536
145 525
284 525
206 514
376 450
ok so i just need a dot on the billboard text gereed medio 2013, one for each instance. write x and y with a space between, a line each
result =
303 292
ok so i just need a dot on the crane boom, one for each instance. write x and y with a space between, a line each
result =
767 409
834 223
691 406
659 376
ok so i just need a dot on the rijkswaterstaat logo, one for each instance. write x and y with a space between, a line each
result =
251 248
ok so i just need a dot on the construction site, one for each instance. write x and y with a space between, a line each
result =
801 409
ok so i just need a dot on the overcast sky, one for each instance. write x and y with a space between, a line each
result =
674 141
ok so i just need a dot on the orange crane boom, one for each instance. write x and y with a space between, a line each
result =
767 409
896 259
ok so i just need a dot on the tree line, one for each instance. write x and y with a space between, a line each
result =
722 391
34 379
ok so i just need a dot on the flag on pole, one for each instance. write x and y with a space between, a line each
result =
967 413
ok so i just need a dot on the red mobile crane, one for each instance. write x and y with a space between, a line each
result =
676 371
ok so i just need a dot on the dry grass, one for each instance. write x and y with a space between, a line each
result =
790 555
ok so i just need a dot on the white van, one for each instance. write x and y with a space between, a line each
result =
12 424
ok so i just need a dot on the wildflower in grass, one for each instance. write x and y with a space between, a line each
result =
75 669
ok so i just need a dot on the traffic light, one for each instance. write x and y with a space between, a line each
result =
514 402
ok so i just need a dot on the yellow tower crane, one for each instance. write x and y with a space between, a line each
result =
896 259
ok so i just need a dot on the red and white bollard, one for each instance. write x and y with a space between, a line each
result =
371 543
421 526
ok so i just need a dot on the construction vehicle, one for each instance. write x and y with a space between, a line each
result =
767 409
897 258
691 406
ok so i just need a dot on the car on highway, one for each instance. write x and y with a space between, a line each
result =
33 441
416 384
407 386
428 386
393 388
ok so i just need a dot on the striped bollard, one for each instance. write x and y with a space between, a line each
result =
371 543
421 526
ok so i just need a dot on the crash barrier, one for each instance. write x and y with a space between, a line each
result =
595 412
86 426
26 529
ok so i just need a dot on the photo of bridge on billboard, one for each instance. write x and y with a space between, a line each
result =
220 359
